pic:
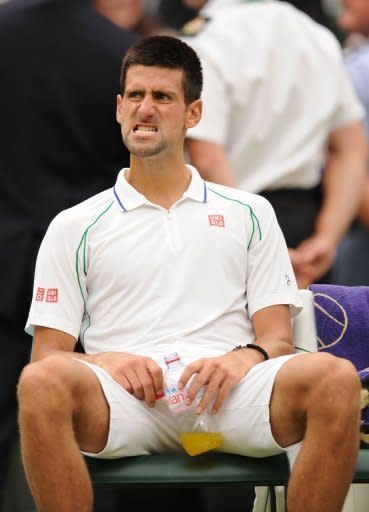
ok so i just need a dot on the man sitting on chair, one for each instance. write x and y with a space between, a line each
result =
166 262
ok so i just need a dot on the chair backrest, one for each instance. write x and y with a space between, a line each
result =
304 327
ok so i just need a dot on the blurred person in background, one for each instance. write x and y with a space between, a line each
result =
314 8
176 13
278 107
59 67
351 267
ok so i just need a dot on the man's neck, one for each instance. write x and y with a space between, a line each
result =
162 183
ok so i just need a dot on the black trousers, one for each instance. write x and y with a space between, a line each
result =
296 210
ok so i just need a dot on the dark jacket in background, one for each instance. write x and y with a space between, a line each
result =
59 142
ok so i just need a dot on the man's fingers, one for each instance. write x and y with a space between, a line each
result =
135 383
199 383
147 386
157 378
297 257
211 391
188 372
223 392
215 378
125 384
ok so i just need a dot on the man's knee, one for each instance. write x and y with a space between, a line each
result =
320 385
44 385
315 387
337 384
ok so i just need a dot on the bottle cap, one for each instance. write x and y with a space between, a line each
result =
171 358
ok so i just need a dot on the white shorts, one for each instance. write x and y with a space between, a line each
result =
243 420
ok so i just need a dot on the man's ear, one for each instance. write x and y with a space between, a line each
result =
194 111
118 113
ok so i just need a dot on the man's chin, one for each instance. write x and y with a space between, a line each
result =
144 152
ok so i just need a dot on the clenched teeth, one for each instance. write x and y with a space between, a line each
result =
141 128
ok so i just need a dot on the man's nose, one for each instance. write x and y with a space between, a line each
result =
146 106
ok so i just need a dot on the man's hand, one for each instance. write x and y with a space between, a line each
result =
218 375
312 259
139 375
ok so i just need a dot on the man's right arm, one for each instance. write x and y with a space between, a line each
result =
139 375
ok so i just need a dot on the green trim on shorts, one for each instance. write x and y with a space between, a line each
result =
253 217
83 244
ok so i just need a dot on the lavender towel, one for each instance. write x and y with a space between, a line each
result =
342 322
364 427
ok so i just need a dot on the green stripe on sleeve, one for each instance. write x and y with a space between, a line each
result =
83 245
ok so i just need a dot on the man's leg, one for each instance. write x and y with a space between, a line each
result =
316 397
62 409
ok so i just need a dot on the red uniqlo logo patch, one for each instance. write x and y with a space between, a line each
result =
52 295
216 220
40 294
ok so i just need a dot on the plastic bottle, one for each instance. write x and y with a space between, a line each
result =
195 433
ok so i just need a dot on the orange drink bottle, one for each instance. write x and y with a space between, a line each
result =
195 435
200 439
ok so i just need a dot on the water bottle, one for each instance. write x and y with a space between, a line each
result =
195 430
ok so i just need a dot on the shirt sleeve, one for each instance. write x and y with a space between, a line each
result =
59 289
270 277
216 115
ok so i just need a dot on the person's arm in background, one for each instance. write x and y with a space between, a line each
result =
206 143
194 4
210 159
343 183
357 67
363 215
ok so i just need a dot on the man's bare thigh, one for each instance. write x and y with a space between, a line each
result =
90 410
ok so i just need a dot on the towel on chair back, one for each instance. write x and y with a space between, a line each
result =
342 323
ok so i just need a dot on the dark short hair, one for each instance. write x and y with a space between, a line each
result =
166 52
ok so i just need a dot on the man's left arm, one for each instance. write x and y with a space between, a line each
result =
273 333
343 183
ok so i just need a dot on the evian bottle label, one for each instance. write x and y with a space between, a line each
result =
176 399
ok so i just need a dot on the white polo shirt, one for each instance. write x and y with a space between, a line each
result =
124 274
274 89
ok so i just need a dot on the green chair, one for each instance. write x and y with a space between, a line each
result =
269 475
207 470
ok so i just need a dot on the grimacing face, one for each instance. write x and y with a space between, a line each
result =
354 16
152 112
